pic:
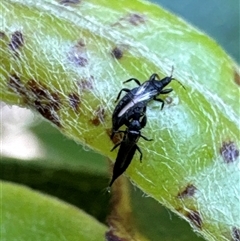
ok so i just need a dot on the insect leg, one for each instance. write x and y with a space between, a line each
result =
136 80
160 100
119 94
166 91
116 146
172 71
143 121
154 77
139 150
145 138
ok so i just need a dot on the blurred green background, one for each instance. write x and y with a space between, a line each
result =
35 154
219 19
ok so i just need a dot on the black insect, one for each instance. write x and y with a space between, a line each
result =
136 99
135 113
128 146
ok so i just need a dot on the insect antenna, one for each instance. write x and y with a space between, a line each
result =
179 83
175 79
172 71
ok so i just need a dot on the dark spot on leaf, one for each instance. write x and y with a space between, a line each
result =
132 18
2 34
44 101
70 1
39 90
16 41
47 111
78 54
41 93
86 84
195 218
237 78
117 53
229 151
136 19
99 116
112 237
189 191
55 101
79 60
80 43
235 234
16 85
117 137
65 2
74 101
38 96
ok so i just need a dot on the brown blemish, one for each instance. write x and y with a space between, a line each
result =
79 60
99 116
195 218
55 101
16 41
80 43
65 2
38 96
74 101
117 53
229 151
237 78
39 90
44 101
235 234
47 111
86 84
118 137
112 237
2 34
189 191
41 93
16 85
78 54
136 19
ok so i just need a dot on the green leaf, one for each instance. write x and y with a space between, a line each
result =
64 177
29 215
66 61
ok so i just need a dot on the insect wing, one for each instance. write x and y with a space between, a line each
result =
123 102
141 89
144 93
147 96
